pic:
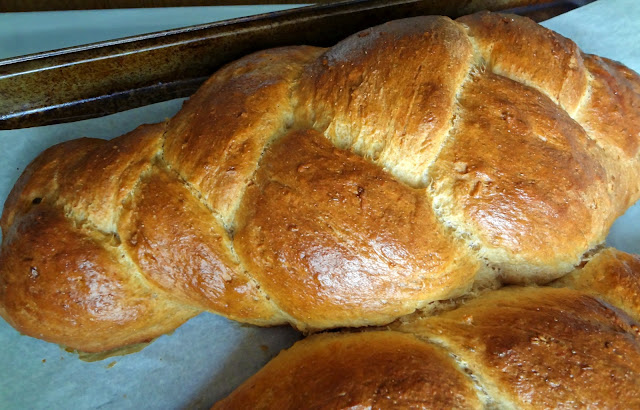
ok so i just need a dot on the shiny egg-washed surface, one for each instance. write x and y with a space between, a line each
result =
328 188
569 345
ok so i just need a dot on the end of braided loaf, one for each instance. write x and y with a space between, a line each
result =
330 188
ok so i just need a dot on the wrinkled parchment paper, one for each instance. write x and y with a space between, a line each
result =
206 358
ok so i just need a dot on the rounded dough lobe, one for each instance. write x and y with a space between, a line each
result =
382 370
88 178
516 176
69 286
336 241
38 182
610 116
537 348
602 95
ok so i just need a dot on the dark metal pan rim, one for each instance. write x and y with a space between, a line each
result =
103 78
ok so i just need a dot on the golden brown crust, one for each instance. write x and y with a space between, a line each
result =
334 239
382 370
543 348
88 178
601 95
518 348
95 187
64 277
67 285
612 276
610 112
609 115
485 149
38 182
523 211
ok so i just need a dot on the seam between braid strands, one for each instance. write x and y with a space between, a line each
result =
113 240
230 230
465 368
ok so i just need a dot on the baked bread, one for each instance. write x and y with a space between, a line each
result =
341 187
513 348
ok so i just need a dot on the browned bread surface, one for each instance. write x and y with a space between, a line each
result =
358 370
517 347
612 276
330 187
543 348
356 234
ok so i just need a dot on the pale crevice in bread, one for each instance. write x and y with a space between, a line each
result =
289 125
610 276
122 254
229 226
487 400
494 263
196 194
111 240
490 401
580 107
487 279
573 113
488 391
392 137
81 202
455 229
476 66
531 346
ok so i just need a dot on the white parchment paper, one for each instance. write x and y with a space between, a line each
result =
206 358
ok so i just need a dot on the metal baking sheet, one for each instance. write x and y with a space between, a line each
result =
98 79
206 358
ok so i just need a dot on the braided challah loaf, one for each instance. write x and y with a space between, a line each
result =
410 163
513 348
